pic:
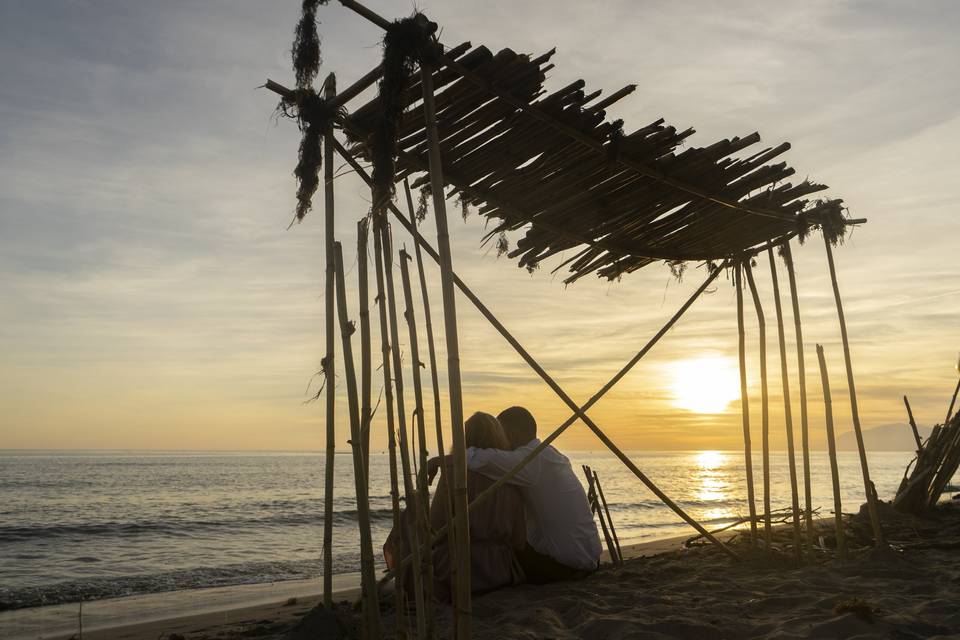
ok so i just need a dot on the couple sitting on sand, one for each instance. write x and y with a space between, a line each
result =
535 528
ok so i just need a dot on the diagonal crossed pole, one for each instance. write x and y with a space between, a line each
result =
579 411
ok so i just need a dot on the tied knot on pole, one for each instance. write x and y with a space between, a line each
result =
407 43
834 226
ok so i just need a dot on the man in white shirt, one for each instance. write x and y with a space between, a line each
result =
562 539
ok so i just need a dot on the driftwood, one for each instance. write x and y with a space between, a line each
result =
935 464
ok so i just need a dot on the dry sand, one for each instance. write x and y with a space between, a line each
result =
910 592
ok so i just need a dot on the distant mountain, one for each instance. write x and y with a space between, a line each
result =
886 437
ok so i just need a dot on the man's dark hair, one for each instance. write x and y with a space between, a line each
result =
519 424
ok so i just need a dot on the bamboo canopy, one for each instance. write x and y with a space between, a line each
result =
553 165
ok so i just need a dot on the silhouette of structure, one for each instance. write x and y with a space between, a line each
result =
466 122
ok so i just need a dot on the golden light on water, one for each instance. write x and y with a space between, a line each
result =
704 385
709 459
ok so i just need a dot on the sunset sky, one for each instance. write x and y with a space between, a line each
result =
153 297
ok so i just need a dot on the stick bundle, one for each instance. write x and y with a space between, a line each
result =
936 464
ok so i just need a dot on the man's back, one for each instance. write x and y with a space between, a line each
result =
559 521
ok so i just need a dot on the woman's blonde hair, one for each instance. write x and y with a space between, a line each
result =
484 431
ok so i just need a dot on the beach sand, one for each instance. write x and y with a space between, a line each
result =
667 591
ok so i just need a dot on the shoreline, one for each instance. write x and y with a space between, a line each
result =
151 615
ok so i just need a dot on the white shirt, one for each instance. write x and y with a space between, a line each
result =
559 521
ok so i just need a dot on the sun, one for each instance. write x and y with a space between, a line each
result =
704 385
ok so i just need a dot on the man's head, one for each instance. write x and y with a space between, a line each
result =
519 424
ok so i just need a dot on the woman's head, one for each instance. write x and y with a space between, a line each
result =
483 431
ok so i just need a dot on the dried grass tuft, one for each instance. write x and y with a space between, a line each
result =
407 43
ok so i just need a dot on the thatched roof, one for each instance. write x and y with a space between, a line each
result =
611 201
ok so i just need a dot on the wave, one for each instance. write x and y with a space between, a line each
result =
194 578
178 528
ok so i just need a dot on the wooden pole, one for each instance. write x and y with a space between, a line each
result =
388 397
366 359
854 409
409 491
802 379
579 412
594 501
422 487
606 509
832 448
431 349
329 90
745 405
787 410
764 402
368 577
461 554
913 426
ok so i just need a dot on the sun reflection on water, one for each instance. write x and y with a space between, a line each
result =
711 484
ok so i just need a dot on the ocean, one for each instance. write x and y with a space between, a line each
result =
87 525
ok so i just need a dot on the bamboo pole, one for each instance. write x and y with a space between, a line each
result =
764 402
802 379
388 397
329 90
409 491
411 319
422 487
832 449
606 509
460 553
366 360
745 405
431 349
913 426
579 412
854 409
368 578
787 410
